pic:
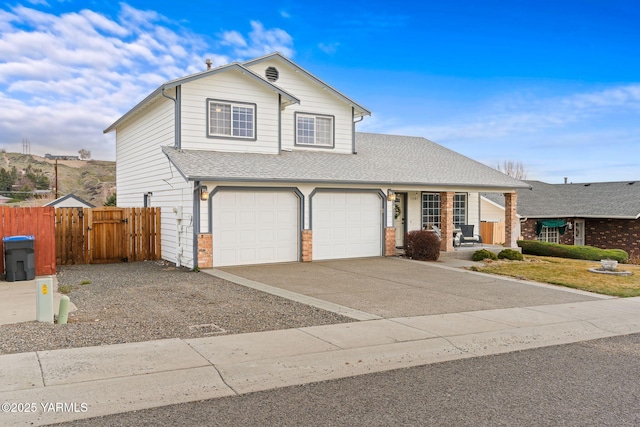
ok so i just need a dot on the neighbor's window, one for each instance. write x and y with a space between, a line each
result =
431 209
314 130
549 234
232 119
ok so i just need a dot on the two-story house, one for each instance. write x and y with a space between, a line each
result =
260 162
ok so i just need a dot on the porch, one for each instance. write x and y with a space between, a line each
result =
445 212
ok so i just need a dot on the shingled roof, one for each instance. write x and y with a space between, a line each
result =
585 200
380 159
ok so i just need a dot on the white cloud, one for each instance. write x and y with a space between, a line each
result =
260 42
329 48
234 38
64 78
517 115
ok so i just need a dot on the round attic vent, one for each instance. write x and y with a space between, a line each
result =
271 74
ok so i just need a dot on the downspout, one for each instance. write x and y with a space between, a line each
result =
353 131
196 221
177 144
279 123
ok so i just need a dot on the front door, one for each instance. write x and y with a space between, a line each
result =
578 232
399 218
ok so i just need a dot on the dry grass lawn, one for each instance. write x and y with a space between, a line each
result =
568 272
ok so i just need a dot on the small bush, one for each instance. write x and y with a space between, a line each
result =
422 245
534 247
483 254
511 254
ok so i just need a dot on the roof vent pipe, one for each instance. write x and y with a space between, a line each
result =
208 62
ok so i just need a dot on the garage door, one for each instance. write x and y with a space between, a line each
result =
346 225
254 227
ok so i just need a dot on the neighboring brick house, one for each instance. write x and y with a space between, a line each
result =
601 214
260 162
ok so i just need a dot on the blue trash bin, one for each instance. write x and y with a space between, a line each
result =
19 258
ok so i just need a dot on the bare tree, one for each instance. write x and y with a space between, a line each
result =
513 169
84 154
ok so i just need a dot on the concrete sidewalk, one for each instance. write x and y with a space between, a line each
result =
53 386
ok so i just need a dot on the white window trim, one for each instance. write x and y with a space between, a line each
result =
314 116
232 105
549 234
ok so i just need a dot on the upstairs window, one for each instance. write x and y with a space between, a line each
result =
314 130
231 119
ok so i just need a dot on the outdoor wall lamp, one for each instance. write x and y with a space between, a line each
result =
391 196
204 193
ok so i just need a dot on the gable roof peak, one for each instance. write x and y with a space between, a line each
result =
359 110
288 98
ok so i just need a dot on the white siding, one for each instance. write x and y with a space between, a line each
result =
141 167
473 210
313 99
228 86
414 211
490 211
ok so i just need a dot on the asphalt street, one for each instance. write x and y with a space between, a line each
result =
592 383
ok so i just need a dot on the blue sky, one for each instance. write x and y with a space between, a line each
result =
554 85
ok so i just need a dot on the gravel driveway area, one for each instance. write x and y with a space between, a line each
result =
130 302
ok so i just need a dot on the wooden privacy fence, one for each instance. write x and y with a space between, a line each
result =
492 232
37 222
103 235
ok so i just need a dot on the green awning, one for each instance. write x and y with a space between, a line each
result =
560 224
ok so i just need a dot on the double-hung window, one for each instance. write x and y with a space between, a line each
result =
231 119
312 129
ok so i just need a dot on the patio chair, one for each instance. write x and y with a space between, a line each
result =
436 230
467 235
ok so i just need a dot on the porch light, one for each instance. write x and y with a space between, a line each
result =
204 193
391 196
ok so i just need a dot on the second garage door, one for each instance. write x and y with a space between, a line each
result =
346 225
255 227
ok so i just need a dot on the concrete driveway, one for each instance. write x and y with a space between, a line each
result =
394 287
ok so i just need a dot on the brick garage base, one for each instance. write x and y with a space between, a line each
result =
390 241
205 251
307 245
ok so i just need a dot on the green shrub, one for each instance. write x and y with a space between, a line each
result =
483 254
511 254
422 245
534 247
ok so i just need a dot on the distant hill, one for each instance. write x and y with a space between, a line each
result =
92 180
